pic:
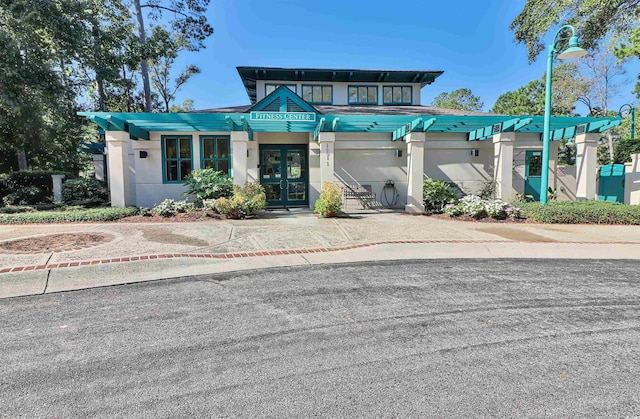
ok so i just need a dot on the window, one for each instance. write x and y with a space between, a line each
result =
216 153
270 87
176 158
363 94
397 95
317 93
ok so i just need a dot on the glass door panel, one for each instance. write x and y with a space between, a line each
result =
283 174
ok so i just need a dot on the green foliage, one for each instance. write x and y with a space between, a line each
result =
170 207
582 212
23 179
208 184
85 191
488 189
329 204
568 87
462 99
70 216
478 208
26 196
632 49
436 194
594 21
245 202
624 148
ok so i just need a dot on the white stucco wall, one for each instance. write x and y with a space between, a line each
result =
370 159
448 157
340 89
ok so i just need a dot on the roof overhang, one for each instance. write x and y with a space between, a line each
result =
250 76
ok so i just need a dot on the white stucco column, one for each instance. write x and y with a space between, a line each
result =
57 187
239 140
415 170
327 142
503 164
118 167
586 165
98 164
632 181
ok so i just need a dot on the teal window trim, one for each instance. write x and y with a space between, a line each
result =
203 159
392 102
178 158
358 87
292 87
320 102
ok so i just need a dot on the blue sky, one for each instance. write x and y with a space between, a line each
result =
469 40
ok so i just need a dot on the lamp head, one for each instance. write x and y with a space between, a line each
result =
573 51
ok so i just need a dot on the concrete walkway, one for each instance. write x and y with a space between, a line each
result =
150 251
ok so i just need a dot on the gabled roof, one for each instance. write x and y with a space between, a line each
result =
282 100
250 76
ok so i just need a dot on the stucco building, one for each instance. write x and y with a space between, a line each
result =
357 127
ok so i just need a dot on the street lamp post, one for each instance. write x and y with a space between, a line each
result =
573 51
632 112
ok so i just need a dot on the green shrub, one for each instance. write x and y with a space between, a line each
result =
208 184
436 194
330 202
245 202
71 216
86 192
26 196
476 207
170 207
582 212
23 179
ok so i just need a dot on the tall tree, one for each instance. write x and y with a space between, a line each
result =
187 19
568 87
462 99
168 48
632 49
593 19
34 34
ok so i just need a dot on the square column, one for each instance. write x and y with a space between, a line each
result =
239 146
327 142
415 170
586 165
503 164
632 181
118 168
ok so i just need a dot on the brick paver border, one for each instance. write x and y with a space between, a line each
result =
236 255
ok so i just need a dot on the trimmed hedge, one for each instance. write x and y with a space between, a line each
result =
89 192
581 212
70 216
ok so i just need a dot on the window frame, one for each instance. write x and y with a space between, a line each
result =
276 85
330 86
214 137
392 102
178 159
358 87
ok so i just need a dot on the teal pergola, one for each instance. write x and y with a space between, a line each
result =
478 128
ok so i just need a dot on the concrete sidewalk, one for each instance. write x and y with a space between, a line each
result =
150 251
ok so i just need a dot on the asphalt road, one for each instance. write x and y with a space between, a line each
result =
442 338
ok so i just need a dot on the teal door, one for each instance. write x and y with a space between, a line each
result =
284 174
532 174
611 183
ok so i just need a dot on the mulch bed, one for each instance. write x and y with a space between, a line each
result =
56 242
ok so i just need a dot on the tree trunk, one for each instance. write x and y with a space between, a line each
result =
144 65
22 160
610 144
